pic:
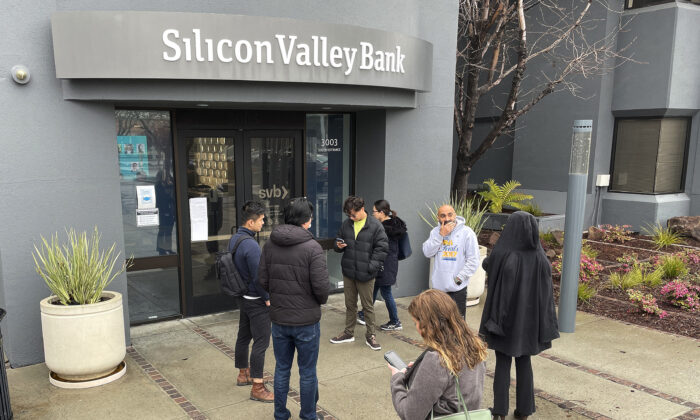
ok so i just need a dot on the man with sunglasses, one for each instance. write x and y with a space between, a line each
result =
364 245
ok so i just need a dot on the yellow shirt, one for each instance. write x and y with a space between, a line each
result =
358 225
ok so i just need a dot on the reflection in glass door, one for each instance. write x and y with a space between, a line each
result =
274 173
211 194
145 158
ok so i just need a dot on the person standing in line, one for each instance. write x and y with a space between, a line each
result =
519 319
395 228
293 270
364 245
429 385
254 323
456 251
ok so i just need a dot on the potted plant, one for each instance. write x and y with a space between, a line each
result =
82 324
503 196
474 218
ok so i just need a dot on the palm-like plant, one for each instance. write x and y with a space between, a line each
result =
77 272
505 195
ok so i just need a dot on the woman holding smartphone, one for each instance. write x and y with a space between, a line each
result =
395 228
429 384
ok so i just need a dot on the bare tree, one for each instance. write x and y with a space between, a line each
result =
494 48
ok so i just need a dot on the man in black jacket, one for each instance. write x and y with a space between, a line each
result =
364 245
293 270
254 323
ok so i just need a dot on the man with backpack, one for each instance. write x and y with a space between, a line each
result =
254 323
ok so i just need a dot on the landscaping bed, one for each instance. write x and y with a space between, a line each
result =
646 297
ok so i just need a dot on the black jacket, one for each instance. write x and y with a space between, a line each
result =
293 270
519 316
395 229
364 256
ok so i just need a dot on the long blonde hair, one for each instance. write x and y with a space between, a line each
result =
443 329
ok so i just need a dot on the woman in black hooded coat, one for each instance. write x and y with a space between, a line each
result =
395 228
519 319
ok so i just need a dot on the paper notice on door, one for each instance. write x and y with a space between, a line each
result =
147 217
198 219
146 195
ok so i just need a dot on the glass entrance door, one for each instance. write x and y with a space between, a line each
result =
223 170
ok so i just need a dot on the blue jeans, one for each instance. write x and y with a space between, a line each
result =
305 340
388 300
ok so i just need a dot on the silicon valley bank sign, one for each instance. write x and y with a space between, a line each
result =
170 45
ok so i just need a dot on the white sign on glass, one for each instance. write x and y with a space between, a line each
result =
146 195
147 217
198 219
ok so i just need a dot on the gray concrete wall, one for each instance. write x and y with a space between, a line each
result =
57 154
58 170
419 142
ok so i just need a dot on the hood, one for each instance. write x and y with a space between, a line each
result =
520 233
394 227
288 235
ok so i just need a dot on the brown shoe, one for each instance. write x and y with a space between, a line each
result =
372 343
261 393
243 378
343 338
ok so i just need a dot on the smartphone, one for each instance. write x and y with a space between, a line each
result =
341 240
394 360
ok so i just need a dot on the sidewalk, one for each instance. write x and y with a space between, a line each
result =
184 369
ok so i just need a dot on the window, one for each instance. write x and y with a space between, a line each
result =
649 155
328 152
636 4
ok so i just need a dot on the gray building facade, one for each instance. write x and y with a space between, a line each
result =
646 116
101 129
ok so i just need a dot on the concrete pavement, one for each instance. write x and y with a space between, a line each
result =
184 369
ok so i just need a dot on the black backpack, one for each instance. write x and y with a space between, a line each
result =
232 282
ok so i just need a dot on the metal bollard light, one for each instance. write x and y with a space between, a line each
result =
573 225
6 409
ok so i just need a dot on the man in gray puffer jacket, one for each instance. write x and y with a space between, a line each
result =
293 270
364 245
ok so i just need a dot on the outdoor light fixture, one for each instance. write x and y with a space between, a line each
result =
20 74
573 224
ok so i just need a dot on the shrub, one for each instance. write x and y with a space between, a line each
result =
628 261
616 233
662 236
672 266
548 239
589 270
682 294
588 251
646 303
532 208
637 275
499 196
469 209
77 272
586 292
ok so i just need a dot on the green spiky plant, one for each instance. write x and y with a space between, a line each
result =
586 292
469 209
505 195
662 236
636 276
533 208
77 271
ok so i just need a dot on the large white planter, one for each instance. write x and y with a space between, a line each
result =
83 342
477 282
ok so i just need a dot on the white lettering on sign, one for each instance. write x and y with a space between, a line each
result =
316 53
273 192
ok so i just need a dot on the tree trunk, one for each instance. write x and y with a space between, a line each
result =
460 183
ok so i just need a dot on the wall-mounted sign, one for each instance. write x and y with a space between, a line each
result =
171 45
274 191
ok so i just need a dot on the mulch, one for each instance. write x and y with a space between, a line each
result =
614 303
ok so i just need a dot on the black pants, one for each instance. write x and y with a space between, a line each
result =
524 386
253 325
460 298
